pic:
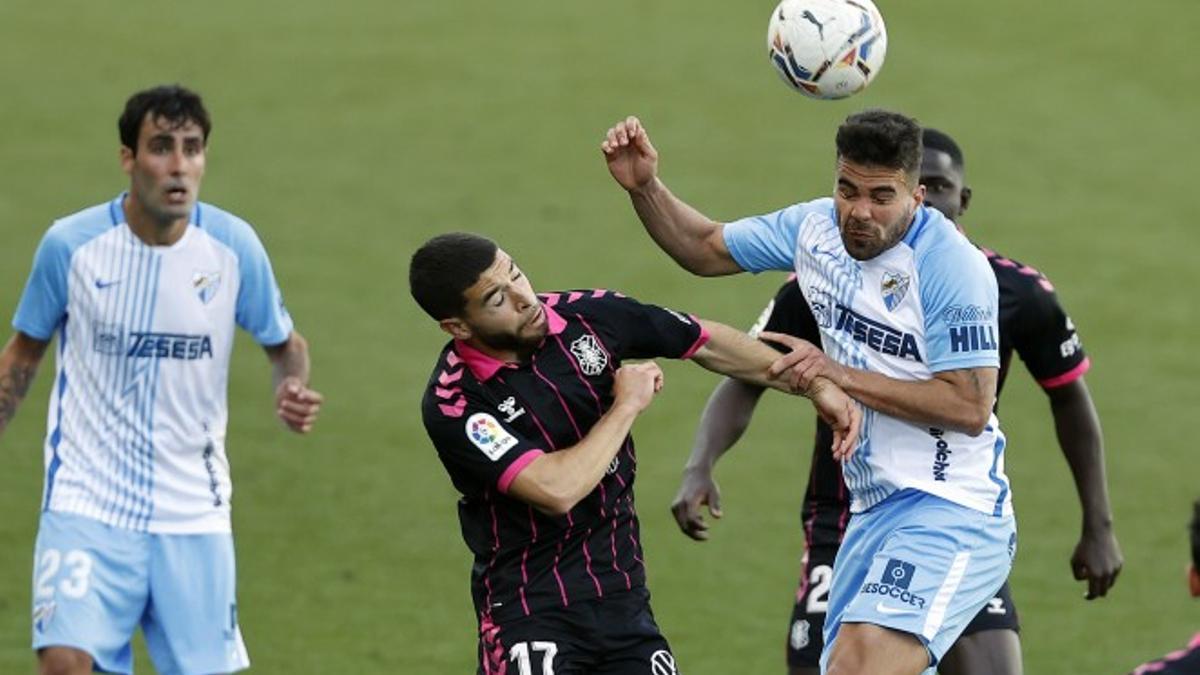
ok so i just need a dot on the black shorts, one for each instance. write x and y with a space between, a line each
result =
615 635
805 639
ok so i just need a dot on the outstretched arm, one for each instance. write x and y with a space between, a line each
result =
295 404
692 239
736 354
960 400
18 364
725 418
1097 557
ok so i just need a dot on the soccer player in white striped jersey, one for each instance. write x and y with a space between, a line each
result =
907 311
142 293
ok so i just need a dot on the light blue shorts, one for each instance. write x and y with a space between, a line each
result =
919 564
93 584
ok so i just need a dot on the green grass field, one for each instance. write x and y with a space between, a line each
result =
351 132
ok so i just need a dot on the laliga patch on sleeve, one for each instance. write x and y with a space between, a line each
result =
487 435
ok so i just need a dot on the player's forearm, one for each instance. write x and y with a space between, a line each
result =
725 418
680 230
557 481
18 365
735 354
964 407
1077 426
289 360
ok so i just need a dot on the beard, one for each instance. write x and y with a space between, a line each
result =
865 250
524 345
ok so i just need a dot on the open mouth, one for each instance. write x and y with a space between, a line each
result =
538 319
176 194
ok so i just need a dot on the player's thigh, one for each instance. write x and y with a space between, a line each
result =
630 640
991 644
90 584
191 623
549 643
64 661
867 649
804 637
939 564
989 652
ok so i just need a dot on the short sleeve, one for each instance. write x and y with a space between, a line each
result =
478 449
766 242
960 300
1046 340
260 310
640 330
43 303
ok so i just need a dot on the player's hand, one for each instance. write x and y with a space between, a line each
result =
632 159
804 363
841 413
636 384
297 405
1098 560
697 489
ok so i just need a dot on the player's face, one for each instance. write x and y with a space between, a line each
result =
875 206
944 189
502 311
165 172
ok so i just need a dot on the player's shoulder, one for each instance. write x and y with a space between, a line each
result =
1017 277
585 300
227 228
450 385
72 231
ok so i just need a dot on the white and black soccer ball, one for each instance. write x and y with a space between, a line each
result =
827 48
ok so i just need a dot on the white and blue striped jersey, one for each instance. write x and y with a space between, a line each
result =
926 305
137 415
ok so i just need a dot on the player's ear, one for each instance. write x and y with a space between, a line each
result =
1193 581
966 199
126 156
456 327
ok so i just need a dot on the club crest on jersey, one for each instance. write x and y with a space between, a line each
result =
821 304
591 356
487 435
894 287
206 284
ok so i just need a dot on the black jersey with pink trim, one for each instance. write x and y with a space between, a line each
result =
1186 661
1032 323
488 420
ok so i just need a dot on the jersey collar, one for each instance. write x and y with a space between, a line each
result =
485 367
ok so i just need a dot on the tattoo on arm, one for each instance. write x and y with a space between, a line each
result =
975 383
14 384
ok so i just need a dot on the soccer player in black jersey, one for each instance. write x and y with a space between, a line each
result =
1184 661
1034 325
530 409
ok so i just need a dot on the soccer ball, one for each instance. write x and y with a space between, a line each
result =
827 48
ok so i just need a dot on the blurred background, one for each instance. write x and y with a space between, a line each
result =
349 133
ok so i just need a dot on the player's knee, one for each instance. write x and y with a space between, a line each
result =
63 661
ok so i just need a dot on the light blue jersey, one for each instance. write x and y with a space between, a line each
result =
928 304
137 416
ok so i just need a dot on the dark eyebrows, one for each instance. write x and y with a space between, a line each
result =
883 191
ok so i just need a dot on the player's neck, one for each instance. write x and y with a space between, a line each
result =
151 230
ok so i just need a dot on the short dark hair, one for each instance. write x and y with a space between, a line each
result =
881 138
1195 530
444 268
933 139
174 103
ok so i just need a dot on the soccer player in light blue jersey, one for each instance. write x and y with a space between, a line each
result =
907 310
142 294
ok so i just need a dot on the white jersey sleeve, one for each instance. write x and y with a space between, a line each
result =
958 294
768 241
260 310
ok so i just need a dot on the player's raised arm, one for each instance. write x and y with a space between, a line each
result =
692 239
295 404
18 364
555 482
